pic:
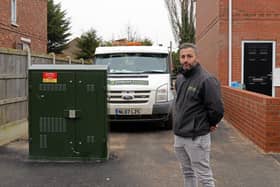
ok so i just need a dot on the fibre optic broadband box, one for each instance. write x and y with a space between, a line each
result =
68 112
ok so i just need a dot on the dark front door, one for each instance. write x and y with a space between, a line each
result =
258 67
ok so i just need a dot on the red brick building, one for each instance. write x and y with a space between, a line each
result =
239 42
22 23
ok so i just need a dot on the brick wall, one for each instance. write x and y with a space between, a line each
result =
255 115
207 34
223 52
211 37
31 24
252 20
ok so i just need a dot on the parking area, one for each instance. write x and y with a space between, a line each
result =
142 155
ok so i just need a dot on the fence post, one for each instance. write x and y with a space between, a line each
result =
69 59
53 56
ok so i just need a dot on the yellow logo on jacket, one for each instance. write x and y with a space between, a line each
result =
191 89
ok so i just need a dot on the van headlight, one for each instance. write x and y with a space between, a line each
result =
161 93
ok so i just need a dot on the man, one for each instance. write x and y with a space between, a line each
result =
197 111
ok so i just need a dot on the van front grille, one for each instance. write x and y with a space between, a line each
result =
135 96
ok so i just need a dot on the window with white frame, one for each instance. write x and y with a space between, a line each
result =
14 12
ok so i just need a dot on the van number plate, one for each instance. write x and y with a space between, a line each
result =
127 111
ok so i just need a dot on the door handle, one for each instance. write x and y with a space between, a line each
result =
72 114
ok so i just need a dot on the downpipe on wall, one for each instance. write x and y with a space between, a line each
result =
229 42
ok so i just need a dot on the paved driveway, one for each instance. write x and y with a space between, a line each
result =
142 155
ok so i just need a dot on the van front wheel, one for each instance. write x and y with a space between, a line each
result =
169 123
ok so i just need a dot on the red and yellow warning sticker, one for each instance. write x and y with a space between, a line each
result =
49 77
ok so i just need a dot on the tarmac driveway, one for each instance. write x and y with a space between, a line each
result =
142 155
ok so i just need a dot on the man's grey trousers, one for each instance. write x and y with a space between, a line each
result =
194 157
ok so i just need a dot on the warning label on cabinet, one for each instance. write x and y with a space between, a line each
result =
49 77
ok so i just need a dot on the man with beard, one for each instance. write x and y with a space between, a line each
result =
197 111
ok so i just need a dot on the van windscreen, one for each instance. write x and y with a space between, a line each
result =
134 62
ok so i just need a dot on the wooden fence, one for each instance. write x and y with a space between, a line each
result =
14 90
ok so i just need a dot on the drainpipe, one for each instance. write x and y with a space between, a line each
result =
229 42
28 57
29 64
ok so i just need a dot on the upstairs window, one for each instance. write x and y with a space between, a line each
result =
14 12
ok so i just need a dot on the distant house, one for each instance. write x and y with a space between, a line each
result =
71 50
125 42
23 24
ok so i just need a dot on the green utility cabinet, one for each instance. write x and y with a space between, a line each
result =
68 112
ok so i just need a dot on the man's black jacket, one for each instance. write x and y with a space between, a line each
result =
198 103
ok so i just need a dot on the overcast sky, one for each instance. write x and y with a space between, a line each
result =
110 18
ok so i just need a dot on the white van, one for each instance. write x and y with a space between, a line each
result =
139 83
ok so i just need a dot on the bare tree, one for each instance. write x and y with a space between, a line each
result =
131 33
182 19
133 36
